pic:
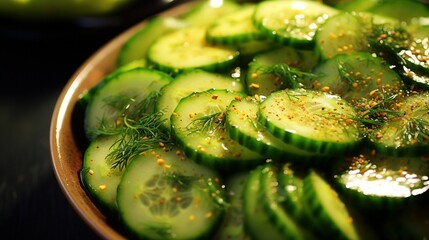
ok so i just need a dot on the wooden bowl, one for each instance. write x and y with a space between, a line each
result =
67 141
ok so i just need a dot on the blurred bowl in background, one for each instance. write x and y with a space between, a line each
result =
41 10
41 19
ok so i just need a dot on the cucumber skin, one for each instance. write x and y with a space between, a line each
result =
329 229
256 221
136 46
183 85
308 144
320 147
242 30
226 163
111 178
263 142
232 225
186 44
286 224
283 36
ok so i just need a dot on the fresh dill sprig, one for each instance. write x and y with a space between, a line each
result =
290 76
137 127
137 136
208 124
376 112
346 74
416 130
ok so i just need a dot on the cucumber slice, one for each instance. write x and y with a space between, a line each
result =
407 134
98 176
382 182
136 85
357 5
194 81
256 220
162 193
405 50
232 225
243 126
248 50
335 221
404 10
187 49
260 78
291 188
136 46
414 79
416 56
292 22
204 13
313 121
269 197
198 123
342 33
234 28
357 77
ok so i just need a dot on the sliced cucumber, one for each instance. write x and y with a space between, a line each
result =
291 189
232 225
404 10
234 28
198 123
135 85
256 220
136 46
383 183
292 22
416 56
261 78
357 5
243 126
269 199
407 134
98 176
414 79
162 193
405 50
187 49
342 33
335 221
313 121
357 77
204 13
194 81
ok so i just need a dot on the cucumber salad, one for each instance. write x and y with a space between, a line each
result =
271 120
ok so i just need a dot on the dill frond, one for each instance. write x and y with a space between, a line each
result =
137 127
416 130
208 124
290 76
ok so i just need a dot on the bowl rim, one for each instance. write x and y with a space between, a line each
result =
64 148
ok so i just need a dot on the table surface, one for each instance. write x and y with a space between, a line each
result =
33 70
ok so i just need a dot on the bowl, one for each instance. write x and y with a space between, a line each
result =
67 141
67 138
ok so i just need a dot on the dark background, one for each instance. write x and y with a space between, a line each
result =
36 61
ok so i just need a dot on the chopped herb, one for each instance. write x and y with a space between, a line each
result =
209 124
416 131
290 76
137 126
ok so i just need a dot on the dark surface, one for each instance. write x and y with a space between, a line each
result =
36 61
